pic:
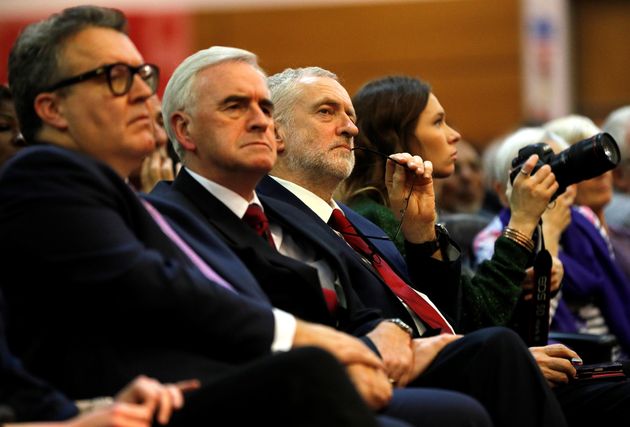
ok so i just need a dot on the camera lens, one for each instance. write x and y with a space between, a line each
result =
586 159
609 147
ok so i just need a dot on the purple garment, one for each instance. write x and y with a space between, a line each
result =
620 239
590 275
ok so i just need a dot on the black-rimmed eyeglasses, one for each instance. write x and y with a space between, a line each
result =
119 77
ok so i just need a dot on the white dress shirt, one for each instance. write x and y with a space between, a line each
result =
287 246
324 210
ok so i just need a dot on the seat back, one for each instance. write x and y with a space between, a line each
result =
463 227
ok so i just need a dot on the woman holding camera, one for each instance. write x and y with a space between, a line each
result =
401 114
595 292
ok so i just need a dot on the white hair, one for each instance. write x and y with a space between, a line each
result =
285 90
573 128
617 125
179 94
510 146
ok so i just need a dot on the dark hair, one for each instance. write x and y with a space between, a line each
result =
5 94
36 62
387 115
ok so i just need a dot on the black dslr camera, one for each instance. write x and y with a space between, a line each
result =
586 159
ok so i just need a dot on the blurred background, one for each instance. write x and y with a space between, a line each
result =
494 64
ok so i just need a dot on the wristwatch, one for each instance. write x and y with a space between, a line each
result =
402 325
430 247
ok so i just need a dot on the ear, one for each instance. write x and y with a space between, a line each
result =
180 122
278 132
50 110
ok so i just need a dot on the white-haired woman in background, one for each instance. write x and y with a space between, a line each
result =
595 293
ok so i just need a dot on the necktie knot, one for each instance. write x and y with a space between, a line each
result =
255 217
339 222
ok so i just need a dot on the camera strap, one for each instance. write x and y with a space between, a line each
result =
538 322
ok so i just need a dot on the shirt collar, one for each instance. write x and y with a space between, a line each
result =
321 208
237 204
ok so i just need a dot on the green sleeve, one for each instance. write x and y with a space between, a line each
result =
491 295
381 216
488 298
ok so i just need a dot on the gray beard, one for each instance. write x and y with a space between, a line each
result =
318 167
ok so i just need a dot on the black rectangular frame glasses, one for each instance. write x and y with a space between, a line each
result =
149 73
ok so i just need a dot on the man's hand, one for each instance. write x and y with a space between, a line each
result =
156 167
154 396
425 350
346 348
555 363
401 173
372 384
117 415
394 344
135 406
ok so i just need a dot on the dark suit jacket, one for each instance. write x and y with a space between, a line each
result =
97 294
373 293
291 285
24 397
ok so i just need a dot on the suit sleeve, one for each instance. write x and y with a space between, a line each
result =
76 236
24 397
439 279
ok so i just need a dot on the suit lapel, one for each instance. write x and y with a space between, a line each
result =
271 188
240 237
304 228
189 223
384 247
232 228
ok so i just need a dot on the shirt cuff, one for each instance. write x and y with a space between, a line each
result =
89 405
284 330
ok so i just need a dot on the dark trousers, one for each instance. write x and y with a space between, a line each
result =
430 407
598 402
494 366
309 387
304 387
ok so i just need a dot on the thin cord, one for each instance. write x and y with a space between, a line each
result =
406 204
404 208
369 150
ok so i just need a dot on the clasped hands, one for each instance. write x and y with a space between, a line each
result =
406 358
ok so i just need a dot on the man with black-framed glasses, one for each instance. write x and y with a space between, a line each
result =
100 287
119 77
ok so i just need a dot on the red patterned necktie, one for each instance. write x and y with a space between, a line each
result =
256 219
425 311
